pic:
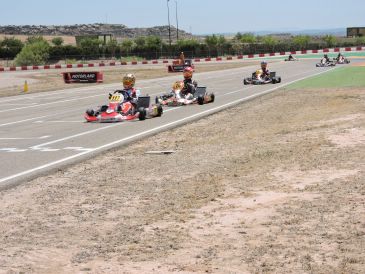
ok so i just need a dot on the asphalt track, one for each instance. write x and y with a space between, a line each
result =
46 131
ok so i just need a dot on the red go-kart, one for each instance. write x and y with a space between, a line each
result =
119 109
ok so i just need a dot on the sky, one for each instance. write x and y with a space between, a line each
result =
196 16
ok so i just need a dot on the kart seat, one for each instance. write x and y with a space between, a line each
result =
200 91
143 101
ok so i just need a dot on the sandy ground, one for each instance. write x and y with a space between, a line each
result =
13 83
275 185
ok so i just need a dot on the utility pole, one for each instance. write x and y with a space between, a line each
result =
177 23
168 19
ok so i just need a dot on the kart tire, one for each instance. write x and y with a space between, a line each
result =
159 110
103 108
278 80
245 82
274 81
201 100
90 112
212 97
156 100
142 113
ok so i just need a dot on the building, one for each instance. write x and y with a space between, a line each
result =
356 32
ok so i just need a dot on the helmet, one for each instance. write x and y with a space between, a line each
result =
188 72
178 85
258 72
264 64
129 80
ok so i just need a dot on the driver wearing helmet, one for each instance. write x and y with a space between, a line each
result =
340 58
327 58
265 72
189 85
129 92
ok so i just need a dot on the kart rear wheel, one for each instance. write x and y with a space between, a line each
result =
201 100
159 110
212 97
142 113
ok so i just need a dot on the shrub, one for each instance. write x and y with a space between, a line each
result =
33 53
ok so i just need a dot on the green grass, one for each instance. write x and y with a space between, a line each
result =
337 78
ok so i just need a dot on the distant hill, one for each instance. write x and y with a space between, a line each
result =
118 30
312 32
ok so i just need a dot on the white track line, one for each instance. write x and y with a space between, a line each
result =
25 138
155 129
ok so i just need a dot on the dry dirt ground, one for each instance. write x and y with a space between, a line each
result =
275 185
52 80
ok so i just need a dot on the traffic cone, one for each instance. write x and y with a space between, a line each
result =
25 89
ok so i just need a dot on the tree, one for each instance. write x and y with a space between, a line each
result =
57 41
153 42
360 41
211 42
248 38
301 41
35 38
127 45
90 47
35 52
269 42
140 42
112 46
238 36
330 40
10 47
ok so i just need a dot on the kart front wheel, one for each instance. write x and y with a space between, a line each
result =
201 100
90 112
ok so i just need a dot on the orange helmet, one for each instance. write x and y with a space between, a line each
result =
188 72
129 80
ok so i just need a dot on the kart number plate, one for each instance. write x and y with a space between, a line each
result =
115 98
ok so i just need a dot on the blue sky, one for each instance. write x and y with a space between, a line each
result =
199 16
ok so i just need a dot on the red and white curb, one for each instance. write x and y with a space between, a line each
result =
209 59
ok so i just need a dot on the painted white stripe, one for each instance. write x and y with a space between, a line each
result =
25 138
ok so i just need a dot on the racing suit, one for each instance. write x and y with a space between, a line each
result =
189 89
265 74
130 95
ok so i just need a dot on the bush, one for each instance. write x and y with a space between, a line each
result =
33 53
10 47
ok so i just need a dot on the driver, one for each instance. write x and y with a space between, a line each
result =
340 57
189 85
326 58
258 74
129 92
265 72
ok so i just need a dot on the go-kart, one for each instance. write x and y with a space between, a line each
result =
253 80
291 59
175 98
177 67
341 61
119 109
326 64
